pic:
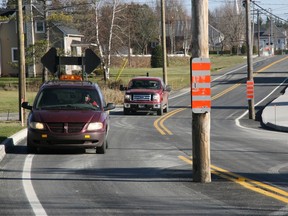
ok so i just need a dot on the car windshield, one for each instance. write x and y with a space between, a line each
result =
146 84
68 98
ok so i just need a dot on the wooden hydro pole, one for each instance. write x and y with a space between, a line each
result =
200 120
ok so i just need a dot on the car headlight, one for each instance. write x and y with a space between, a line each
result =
37 125
95 126
127 97
156 97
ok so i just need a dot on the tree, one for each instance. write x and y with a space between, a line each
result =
157 57
231 23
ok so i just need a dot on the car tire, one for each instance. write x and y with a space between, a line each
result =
160 111
102 149
30 148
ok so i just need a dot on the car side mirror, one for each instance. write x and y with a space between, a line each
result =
109 106
26 105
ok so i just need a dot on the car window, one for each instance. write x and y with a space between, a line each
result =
146 84
68 98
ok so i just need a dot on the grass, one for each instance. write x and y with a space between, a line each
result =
178 73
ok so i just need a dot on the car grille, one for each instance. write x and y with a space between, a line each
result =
66 127
141 97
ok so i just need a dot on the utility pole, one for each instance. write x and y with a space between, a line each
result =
163 22
249 58
200 121
258 36
21 63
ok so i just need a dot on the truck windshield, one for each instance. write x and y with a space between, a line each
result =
144 84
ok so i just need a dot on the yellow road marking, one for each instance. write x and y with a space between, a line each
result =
159 123
250 184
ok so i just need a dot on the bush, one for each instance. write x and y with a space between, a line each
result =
244 49
157 57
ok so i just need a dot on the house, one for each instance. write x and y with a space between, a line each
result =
271 39
179 36
62 37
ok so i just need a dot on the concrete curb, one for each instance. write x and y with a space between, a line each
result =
275 114
11 141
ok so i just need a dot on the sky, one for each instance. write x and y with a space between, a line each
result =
278 7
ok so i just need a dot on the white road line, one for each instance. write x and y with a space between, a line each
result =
28 187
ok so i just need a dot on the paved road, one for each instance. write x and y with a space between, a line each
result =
142 173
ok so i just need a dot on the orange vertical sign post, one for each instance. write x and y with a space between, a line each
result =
200 85
250 89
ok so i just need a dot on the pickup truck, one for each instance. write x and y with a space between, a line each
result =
146 94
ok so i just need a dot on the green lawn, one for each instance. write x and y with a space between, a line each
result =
178 73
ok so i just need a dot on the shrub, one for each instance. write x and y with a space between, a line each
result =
157 57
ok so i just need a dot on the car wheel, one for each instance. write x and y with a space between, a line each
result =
166 108
30 148
102 149
160 111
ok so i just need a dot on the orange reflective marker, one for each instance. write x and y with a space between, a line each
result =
200 85
250 89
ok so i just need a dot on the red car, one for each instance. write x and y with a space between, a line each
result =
69 114
146 94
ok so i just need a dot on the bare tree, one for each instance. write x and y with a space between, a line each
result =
231 23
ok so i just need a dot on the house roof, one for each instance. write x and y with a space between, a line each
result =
68 31
6 12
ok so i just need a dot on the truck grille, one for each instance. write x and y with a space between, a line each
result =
140 97
66 127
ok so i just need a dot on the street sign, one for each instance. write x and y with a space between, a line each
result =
250 89
50 60
200 85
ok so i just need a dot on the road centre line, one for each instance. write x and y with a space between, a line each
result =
159 123
250 184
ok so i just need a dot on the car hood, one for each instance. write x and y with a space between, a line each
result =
149 91
66 116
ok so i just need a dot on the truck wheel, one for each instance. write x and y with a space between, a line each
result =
166 108
126 111
160 111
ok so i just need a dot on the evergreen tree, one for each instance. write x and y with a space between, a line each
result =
157 57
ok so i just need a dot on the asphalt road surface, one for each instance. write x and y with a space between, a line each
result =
147 169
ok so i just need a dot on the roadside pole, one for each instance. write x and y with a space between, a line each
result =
21 63
249 60
163 39
201 119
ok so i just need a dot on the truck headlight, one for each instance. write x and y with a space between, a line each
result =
156 97
127 97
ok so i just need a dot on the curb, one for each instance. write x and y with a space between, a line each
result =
11 141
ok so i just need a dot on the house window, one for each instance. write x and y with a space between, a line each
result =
39 27
15 55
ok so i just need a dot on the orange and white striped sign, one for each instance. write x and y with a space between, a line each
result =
250 89
200 85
